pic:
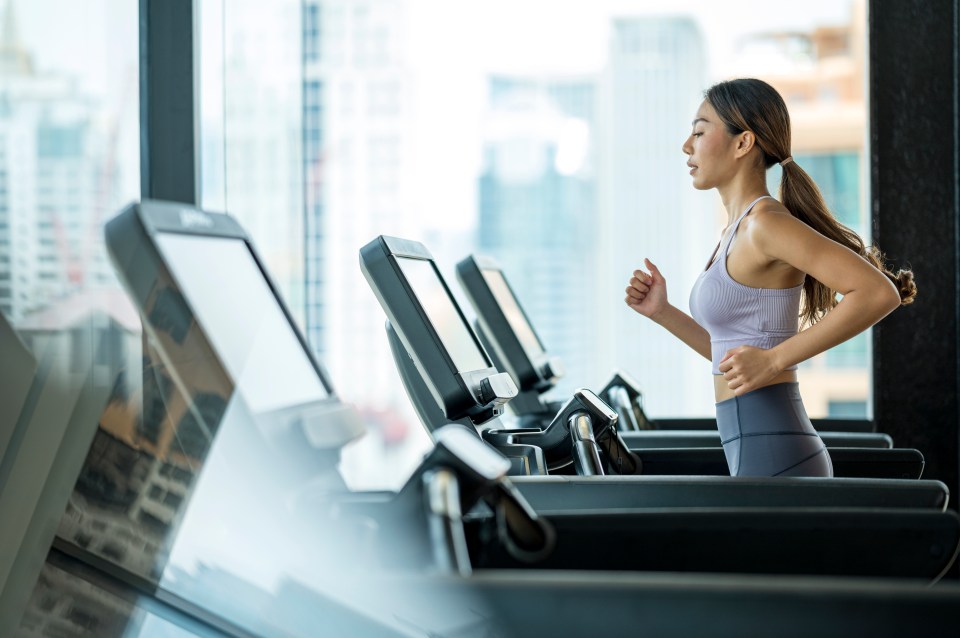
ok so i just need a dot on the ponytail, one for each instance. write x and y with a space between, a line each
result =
800 195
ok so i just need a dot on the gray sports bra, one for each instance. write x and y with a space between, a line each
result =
737 315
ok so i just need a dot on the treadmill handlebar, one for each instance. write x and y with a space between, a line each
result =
527 536
586 453
460 471
625 381
601 415
448 540
619 400
621 383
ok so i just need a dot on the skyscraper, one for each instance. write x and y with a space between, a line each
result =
650 92
57 181
538 208
261 131
358 134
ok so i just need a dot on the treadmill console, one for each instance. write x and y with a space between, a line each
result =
433 332
221 328
506 326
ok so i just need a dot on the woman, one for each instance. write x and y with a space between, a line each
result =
772 256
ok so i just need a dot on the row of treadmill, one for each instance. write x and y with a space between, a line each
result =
565 517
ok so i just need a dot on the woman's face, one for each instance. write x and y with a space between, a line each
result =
710 149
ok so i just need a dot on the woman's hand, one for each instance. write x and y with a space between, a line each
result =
747 368
647 293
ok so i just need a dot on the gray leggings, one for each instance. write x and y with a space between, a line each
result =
767 433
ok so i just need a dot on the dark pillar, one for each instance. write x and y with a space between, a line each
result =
914 150
168 128
168 104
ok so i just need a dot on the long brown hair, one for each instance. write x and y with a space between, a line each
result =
753 105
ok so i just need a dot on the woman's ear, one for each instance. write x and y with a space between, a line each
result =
745 143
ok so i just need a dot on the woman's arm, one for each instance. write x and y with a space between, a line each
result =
686 329
647 294
868 296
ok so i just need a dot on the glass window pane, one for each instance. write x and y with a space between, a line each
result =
339 121
69 159
561 160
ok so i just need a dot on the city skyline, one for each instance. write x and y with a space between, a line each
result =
458 58
381 173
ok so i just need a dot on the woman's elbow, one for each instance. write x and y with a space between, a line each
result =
888 297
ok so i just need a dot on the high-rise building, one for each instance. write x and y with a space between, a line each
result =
358 135
261 136
651 89
538 208
57 182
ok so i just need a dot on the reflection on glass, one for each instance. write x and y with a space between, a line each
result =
511 308
136 474
139 476
150 445
63 605
243 322
439 306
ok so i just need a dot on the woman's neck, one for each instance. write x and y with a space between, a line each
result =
740 191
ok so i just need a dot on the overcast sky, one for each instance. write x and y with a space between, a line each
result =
518 35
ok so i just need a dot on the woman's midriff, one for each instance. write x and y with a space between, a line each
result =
722 391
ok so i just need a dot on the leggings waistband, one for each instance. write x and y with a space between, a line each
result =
767 433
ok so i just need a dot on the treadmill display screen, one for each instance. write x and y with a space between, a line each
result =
443 314
241 318
511 310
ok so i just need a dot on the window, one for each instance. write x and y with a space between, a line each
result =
562 161
847 409
327 123
440 122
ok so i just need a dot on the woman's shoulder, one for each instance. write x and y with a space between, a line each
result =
768 220
767 206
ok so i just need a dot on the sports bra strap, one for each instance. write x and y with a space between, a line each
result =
736 224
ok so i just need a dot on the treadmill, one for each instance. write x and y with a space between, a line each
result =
450 379
441 590
460 499
512 342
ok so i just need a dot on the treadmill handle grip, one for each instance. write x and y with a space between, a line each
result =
584 448
526 536
447 538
